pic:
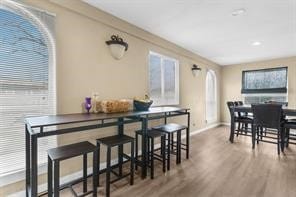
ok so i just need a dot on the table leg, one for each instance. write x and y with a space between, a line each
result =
232 126
187 136
28 166
144 147
34 166
120 147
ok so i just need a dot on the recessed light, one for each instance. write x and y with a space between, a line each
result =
238 12
257 43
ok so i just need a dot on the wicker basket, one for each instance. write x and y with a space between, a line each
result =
115 106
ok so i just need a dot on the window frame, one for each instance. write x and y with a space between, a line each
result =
162 100
215 117
31 14
266 90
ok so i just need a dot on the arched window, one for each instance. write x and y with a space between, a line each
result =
27 80
211 97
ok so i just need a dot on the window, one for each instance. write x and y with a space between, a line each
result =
259 86
27 80
211 97
163 79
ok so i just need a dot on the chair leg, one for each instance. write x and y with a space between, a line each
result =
84 173
163 153
95 172
239 128
253 136
98 159
169 152
56 177
287 136
49 177
132 164
278 142
152 158
187 143
137 152
257 134
282 139
108 171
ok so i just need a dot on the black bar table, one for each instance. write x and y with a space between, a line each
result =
37 127
248 109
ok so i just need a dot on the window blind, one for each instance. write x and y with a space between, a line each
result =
163 79
27 80
272 80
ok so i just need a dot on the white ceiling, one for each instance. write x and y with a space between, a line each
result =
207 27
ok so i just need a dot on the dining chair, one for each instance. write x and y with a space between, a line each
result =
269 116
240 119
288 125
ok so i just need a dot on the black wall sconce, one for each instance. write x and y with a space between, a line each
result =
117 46
195 70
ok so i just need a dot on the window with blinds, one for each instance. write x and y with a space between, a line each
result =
27 80
163 79
271 80
211 97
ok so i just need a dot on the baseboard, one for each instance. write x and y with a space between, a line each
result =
76 175
225 123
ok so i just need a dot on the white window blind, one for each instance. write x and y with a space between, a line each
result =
163 79
27 80
211 97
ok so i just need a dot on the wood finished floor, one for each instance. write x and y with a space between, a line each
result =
218 168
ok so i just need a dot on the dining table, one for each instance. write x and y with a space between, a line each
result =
291 112
54 125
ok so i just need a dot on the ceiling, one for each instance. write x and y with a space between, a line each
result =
208 28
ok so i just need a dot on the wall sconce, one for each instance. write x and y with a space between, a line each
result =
195 70
117 46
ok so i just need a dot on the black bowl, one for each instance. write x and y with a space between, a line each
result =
142 106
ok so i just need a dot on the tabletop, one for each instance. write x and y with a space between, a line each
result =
52 120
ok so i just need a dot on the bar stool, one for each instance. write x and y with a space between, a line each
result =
170 129
110 142
152 134
61 153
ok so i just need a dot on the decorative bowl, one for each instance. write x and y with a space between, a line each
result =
142 106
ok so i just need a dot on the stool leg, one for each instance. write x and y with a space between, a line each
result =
56 177
98 159
178 147
108 170
172 142
152 158
132 164
136 156
84 173
163 152
120 159
187 143
169 152
95 172
49 177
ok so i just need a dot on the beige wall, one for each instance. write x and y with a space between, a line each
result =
84 65
231 81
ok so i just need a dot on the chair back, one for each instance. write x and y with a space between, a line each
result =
238 103
267 115
229 105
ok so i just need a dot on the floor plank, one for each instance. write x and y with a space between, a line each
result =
218 168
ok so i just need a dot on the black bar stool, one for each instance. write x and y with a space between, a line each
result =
58 154
170 129
110 142
152 134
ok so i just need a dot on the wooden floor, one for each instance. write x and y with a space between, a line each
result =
218 168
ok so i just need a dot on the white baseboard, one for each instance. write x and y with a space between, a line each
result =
76 175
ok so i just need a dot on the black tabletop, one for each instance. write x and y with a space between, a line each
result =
246 108
53 120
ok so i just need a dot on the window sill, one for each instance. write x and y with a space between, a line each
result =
19 175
